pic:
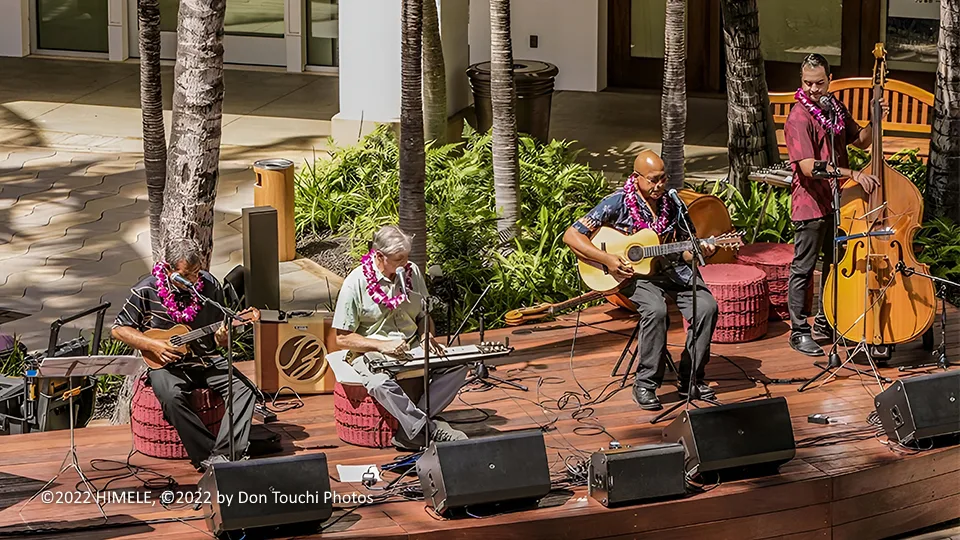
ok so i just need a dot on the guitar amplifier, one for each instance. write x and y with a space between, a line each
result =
291 353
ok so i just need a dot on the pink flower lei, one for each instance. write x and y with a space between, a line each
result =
373 285
176 313
630 197
817 112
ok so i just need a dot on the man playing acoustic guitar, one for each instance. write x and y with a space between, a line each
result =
640 204
159 303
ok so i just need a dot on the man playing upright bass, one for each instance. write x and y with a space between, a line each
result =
808 145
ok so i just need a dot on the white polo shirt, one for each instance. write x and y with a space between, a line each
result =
357 312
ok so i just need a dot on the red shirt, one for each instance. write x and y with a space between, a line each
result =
812 198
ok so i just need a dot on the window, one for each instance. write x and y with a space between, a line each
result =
910 30
72 25
791 29
323 32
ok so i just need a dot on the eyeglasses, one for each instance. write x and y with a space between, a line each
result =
660 180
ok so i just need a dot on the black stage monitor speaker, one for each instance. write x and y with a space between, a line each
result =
735 436
637 474
261 258
268 492
503 468
921 407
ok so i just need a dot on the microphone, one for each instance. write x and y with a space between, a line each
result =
183 281
435 272
403 282
676 199
826 104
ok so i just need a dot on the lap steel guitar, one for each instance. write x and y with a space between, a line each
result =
640 249
180 336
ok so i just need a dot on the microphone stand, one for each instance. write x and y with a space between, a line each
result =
695 264
942 285
228 317
425 307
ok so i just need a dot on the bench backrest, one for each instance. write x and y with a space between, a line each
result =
910 106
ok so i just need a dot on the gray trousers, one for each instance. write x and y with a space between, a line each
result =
648 297
444 386
812 237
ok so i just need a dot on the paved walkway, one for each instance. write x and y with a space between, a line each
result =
73 206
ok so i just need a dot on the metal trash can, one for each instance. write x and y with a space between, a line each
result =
534 80
274 187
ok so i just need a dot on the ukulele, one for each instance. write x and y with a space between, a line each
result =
516 317
180 336
640 249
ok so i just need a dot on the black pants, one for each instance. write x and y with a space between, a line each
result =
172 386
648 296
812 237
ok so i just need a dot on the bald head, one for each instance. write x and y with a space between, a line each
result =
653 180
648 163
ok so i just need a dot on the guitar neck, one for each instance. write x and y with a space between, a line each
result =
194 335
666 249
573 302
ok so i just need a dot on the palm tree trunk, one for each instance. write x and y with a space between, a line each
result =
752 139
151 106
193 163
503 96
943 184
434 76
413 211
673 106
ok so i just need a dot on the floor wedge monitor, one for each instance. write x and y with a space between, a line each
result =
918 408
510 467
633 475
749 435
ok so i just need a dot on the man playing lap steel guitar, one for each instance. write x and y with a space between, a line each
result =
158 303
640 204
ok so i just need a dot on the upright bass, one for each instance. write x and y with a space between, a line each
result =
877 303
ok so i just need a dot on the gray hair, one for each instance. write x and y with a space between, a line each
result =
391 240
814 60
178 251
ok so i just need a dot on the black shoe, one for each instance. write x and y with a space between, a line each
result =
212 461
805 344
700 391
401 442
646 399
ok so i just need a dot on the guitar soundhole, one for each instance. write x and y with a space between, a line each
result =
635 253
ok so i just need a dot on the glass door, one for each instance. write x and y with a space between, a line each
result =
253 31
71 26
322 33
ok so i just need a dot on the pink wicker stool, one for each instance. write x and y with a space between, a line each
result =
153 436
774 260
360 420
742 302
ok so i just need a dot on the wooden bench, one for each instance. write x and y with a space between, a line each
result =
906 127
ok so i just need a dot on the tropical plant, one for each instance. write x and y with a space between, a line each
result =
752 140
434 77
151 106
940 239
344 196
745 211
412 152
943 196
673 103
503 99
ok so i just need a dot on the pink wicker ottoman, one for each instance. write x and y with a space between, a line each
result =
742 302
153 436
360 420
774 260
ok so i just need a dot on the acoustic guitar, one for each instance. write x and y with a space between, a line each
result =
180 337
640 249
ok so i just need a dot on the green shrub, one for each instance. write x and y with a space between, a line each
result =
356 192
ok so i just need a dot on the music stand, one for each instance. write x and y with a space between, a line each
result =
79 366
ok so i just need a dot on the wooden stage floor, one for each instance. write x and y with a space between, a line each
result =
853 489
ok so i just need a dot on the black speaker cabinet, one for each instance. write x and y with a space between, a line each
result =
266 492
921 407
637 474
261 258
735 436
502 468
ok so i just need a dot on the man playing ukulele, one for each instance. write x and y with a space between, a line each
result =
158 302
638 205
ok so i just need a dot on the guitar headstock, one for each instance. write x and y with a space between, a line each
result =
729 240
879 65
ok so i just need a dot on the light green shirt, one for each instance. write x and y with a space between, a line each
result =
357 312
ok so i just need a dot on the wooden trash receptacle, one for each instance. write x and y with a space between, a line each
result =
274 187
